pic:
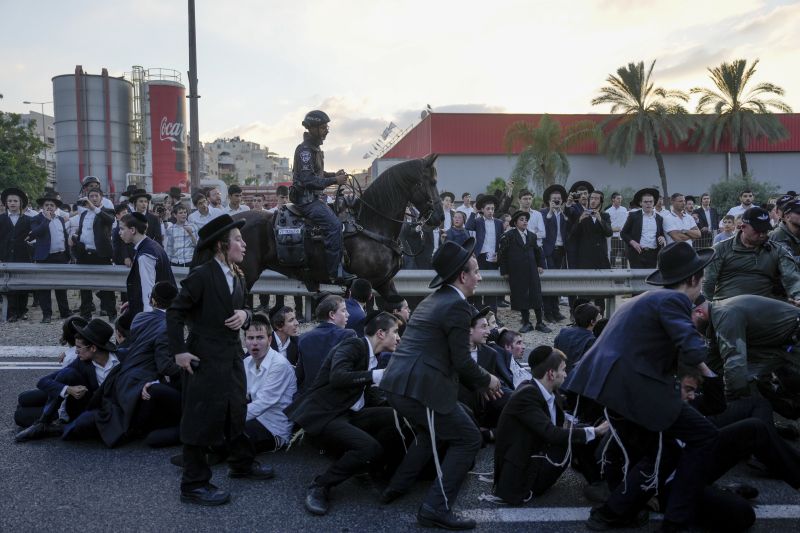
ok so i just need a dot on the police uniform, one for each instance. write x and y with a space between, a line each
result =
783 235
309 180
737 270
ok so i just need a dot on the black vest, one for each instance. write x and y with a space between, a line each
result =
134 283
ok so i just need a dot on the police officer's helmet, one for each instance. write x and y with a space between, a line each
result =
315 118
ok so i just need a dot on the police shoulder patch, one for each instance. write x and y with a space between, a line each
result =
305 156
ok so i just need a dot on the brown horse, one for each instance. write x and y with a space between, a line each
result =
373 251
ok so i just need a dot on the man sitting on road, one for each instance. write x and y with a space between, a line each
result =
284 335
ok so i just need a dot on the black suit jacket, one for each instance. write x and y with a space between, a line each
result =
154 228
340 382
632 230
40 232
525 429
702 222
13 245
434 356
101 230
292 352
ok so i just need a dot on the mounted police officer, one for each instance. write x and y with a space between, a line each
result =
309 180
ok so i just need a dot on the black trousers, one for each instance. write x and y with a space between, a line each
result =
263 440
197 473
357 436
455 429
108 301
647 259
30 404
693 468
554 261
45 302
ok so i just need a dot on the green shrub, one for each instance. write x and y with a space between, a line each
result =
725 193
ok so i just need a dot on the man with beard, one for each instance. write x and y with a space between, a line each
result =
788 231
748 263
746 197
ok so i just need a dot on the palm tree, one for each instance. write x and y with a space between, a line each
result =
738 115
543 158
642 113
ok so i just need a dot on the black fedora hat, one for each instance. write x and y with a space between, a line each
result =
678 261
582 184
637 198
49 197
479 313
550 190
138 193
449 259
23 198
98 332
175 192
216 229
518 214
445 194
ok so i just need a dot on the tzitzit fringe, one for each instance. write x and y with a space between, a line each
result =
429 413
568 455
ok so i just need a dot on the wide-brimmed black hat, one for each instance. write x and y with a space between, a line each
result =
216 229
175 192
164 291
49 197
550 190
678 261
581 184
637 198
479 313
518 214
23 198
448 194
449 259
98 332
485 199
138 193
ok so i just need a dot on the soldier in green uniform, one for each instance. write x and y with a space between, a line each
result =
751 336
787 232
748 263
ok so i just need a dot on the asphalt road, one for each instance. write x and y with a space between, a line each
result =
52 485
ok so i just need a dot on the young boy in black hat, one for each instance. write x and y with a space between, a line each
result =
14 229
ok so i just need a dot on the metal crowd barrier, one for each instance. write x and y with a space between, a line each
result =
603 283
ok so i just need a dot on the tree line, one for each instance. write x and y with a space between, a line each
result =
735 110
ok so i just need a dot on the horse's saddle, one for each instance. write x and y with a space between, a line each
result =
295 237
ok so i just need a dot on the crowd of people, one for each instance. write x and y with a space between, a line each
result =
651 405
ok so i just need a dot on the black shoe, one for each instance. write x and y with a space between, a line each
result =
542 328
177 460
559 317
549 318
317 500
668 526
39 430
66 316
12 318
344 279
526 327
596 492
748 492
257 472
602 519
209 496
389 495
428 517
46 320
502 303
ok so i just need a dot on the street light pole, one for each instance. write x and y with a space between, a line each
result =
44 134
194 126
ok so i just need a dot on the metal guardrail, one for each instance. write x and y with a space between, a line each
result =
598 283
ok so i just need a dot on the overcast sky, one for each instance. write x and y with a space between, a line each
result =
262 64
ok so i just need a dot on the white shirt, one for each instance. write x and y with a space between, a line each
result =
377 375
87 230
618 217
101 372
489 240
466 210
737 210
536 225
14 217
199 220
178 243
550 398
673 222
147 276
56 235
524 235
474 354
241 209
708 217
228 273
518 373
283 347
649 230
105 203
271 388
458 291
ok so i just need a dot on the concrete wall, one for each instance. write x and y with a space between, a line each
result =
686 173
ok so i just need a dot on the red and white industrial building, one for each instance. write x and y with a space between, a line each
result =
472 153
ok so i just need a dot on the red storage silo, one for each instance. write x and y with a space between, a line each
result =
166 130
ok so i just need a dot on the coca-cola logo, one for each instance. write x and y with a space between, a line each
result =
171 131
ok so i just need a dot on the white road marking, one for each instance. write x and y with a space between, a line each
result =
31 351
580 514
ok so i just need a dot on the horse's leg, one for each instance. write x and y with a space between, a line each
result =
387 289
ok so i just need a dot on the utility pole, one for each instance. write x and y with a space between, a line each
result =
194 119
44 134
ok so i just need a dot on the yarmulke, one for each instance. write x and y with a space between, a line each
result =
538 355
139 216
164 290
